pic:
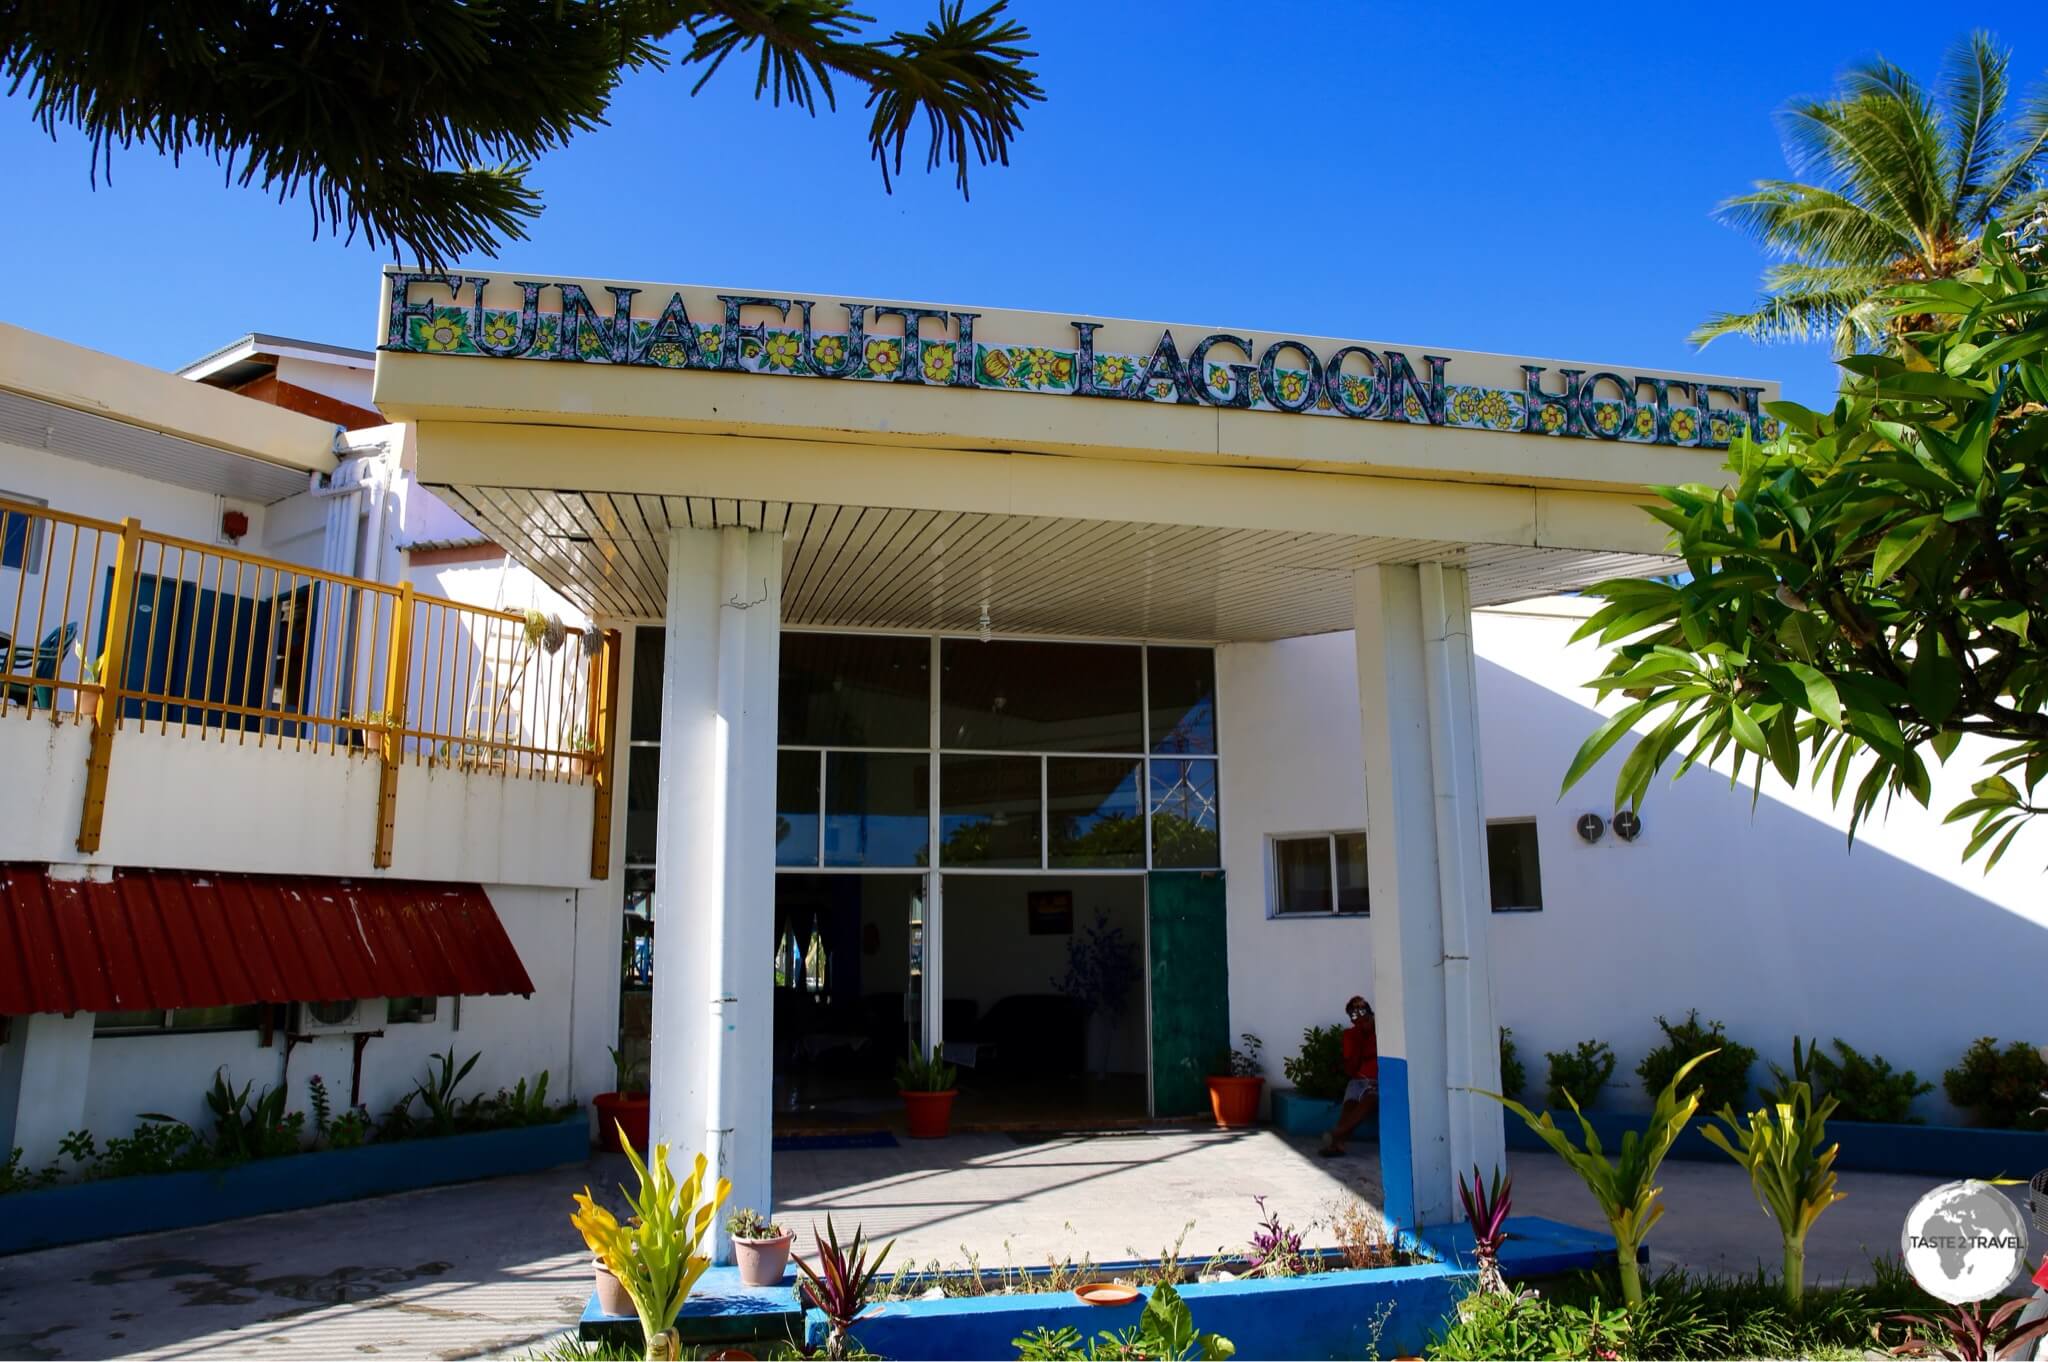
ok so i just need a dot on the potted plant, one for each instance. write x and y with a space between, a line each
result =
620 1107
759 1246
1317 1073
1235 1082
926 1083
653 1252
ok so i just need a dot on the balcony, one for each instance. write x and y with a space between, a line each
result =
160 695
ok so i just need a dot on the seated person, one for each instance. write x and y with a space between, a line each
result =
1362 1070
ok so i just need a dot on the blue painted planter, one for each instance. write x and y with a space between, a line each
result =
1329 1314
1867 1147
173 1201
1366 1312
1298 1115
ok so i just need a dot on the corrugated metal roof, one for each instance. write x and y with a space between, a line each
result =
171 938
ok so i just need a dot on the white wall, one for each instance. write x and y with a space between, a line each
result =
1289 740
1764 920
187 803
339 381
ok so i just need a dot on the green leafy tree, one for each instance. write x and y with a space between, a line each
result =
1870 589
415 122
1894 182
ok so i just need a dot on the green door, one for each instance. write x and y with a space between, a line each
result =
1190 987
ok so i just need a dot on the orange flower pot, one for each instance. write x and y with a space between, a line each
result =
615 1109
1235 1100
929 1114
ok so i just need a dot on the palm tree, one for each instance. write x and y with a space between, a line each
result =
1898 185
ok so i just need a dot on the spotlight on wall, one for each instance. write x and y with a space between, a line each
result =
1627 826
1591 825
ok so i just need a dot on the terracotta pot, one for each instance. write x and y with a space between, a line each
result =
930 1114
615 1109
761 1261
1235 1100
611 1292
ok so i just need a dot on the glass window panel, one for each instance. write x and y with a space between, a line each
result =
988 811
796 807
855 690
877 808
149 1019
1182 682
640 891
650 646
643 791
1094 815
1301 867
410 1009
1351 893
1184 815
636 937
1027 696
241 1018
1511 866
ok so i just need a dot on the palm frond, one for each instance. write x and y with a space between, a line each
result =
1813 223
2024 168
1973 89
1790 316
1890 140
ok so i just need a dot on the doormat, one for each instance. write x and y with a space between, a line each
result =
861 1139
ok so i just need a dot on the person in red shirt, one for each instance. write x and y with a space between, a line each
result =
1362 1070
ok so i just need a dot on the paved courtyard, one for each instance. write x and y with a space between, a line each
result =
493 1269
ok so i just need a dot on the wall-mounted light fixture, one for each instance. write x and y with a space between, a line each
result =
1627 826
1590 826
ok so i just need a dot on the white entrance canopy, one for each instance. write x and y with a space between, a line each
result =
733 463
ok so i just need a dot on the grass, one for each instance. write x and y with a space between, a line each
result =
1685 1316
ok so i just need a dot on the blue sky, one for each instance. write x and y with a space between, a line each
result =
1532 180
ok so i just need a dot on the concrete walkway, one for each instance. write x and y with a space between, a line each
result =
494 1269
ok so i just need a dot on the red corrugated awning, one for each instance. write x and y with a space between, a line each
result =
183 938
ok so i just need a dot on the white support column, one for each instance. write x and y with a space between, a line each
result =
713 1013
43 1071
1426 867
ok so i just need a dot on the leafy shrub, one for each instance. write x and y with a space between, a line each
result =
2001 1088
1513 1076
1581 1071
15 1177
1680 1316
158 1145
1723 1081
1239 1063
925 1073
1275 1249
1866 1089
1317 1069
1492 1325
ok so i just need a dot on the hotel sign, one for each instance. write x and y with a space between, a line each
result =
888 343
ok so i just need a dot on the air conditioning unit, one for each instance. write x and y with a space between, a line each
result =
337 1018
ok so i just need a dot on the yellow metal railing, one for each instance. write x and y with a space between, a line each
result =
118 627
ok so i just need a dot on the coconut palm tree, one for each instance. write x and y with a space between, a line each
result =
1897 184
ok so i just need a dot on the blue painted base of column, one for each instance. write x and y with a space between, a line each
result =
1397 1163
